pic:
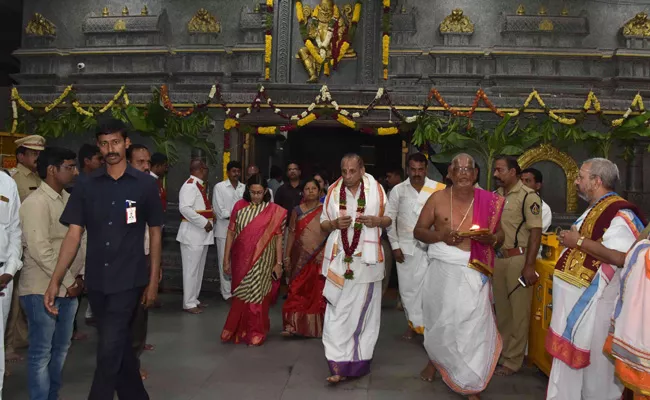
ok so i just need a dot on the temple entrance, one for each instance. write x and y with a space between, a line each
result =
319 148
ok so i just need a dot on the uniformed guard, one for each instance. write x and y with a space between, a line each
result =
27 150
522 225
27 180
194 233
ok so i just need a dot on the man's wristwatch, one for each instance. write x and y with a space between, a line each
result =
579 242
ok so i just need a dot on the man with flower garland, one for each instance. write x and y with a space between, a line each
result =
353 265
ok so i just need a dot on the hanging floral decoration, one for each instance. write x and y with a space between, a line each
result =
268 39
385 38
168 105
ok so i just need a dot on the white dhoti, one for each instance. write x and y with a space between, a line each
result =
597 380
224 280
5 305
411 275
351 329
460 333
193 258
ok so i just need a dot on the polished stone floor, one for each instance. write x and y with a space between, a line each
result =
190 363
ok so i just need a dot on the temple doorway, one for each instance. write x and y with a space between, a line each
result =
319 148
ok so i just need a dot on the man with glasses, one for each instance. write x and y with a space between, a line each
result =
49 338
194 233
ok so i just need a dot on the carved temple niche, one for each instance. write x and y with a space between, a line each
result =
456 29
39 32
636 32
248 55
108 30
202 60
406 58
633 66
543 30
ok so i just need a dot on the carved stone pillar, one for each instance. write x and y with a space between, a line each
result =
283 41
634 179
370 40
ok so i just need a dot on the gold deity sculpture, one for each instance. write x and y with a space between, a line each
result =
40 26
317 25
456 22
203 22
637 26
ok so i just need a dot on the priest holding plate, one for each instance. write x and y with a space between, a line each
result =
460 333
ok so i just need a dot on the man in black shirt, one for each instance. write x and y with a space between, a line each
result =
114 204
290 193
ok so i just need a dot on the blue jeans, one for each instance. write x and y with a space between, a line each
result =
49 341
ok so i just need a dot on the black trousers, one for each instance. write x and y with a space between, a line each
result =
117 365
139 329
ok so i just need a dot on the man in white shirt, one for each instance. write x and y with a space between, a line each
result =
194 234
533 178
11 252
226 194
405 203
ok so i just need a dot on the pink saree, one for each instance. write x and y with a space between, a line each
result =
252 259
488 207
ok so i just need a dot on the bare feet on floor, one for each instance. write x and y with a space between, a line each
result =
473 397
13 357
144 374
194 310
203 305
409 334
149 347
428 374
79 336
502 370
286 334
334 379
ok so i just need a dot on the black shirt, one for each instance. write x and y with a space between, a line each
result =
288 197
115 259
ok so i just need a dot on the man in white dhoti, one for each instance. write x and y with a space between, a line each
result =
353 265
194 233
460 332
404 205
226 194
585 287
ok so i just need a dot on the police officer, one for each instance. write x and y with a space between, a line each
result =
521 222
27 150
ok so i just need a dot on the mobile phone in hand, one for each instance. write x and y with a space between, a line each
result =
522 282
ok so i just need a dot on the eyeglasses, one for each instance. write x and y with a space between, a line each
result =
463 170
256 193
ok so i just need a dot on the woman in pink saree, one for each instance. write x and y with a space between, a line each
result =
304 309
253 257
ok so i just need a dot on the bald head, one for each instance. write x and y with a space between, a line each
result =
199 169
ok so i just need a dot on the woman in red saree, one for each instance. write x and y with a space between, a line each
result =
304 309
253 257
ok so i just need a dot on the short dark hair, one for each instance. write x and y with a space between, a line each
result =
134 147
418 157
53 156
537 174
511 162
256 179
158 159
21 150
233 164
294 163
86 151
111 125
396 171
276 172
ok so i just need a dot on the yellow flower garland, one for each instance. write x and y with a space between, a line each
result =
385 54
229 123
313 51
386 3
356 14
345 121
299 12
58 101
387 131
307 120
344 48
267 130
269 3
226 160
268 39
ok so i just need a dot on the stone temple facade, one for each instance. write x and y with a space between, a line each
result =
563 49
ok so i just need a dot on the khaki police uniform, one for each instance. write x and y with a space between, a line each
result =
27 182
522 212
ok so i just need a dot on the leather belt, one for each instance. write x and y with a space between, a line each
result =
508 253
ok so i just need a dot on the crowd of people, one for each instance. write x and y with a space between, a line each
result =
90 224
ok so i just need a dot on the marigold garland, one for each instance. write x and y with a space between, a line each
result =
268 39
346 121
226 160
267 130
311 117
386 32
387 131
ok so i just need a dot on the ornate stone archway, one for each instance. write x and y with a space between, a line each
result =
546 152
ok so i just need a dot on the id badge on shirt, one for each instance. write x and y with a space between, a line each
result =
130 212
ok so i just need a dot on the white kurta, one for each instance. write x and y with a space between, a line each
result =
597 380
224 197
547 216
352 316
11 251
460 335
404 207
194 240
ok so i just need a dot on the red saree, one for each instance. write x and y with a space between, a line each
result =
304 310
252 257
